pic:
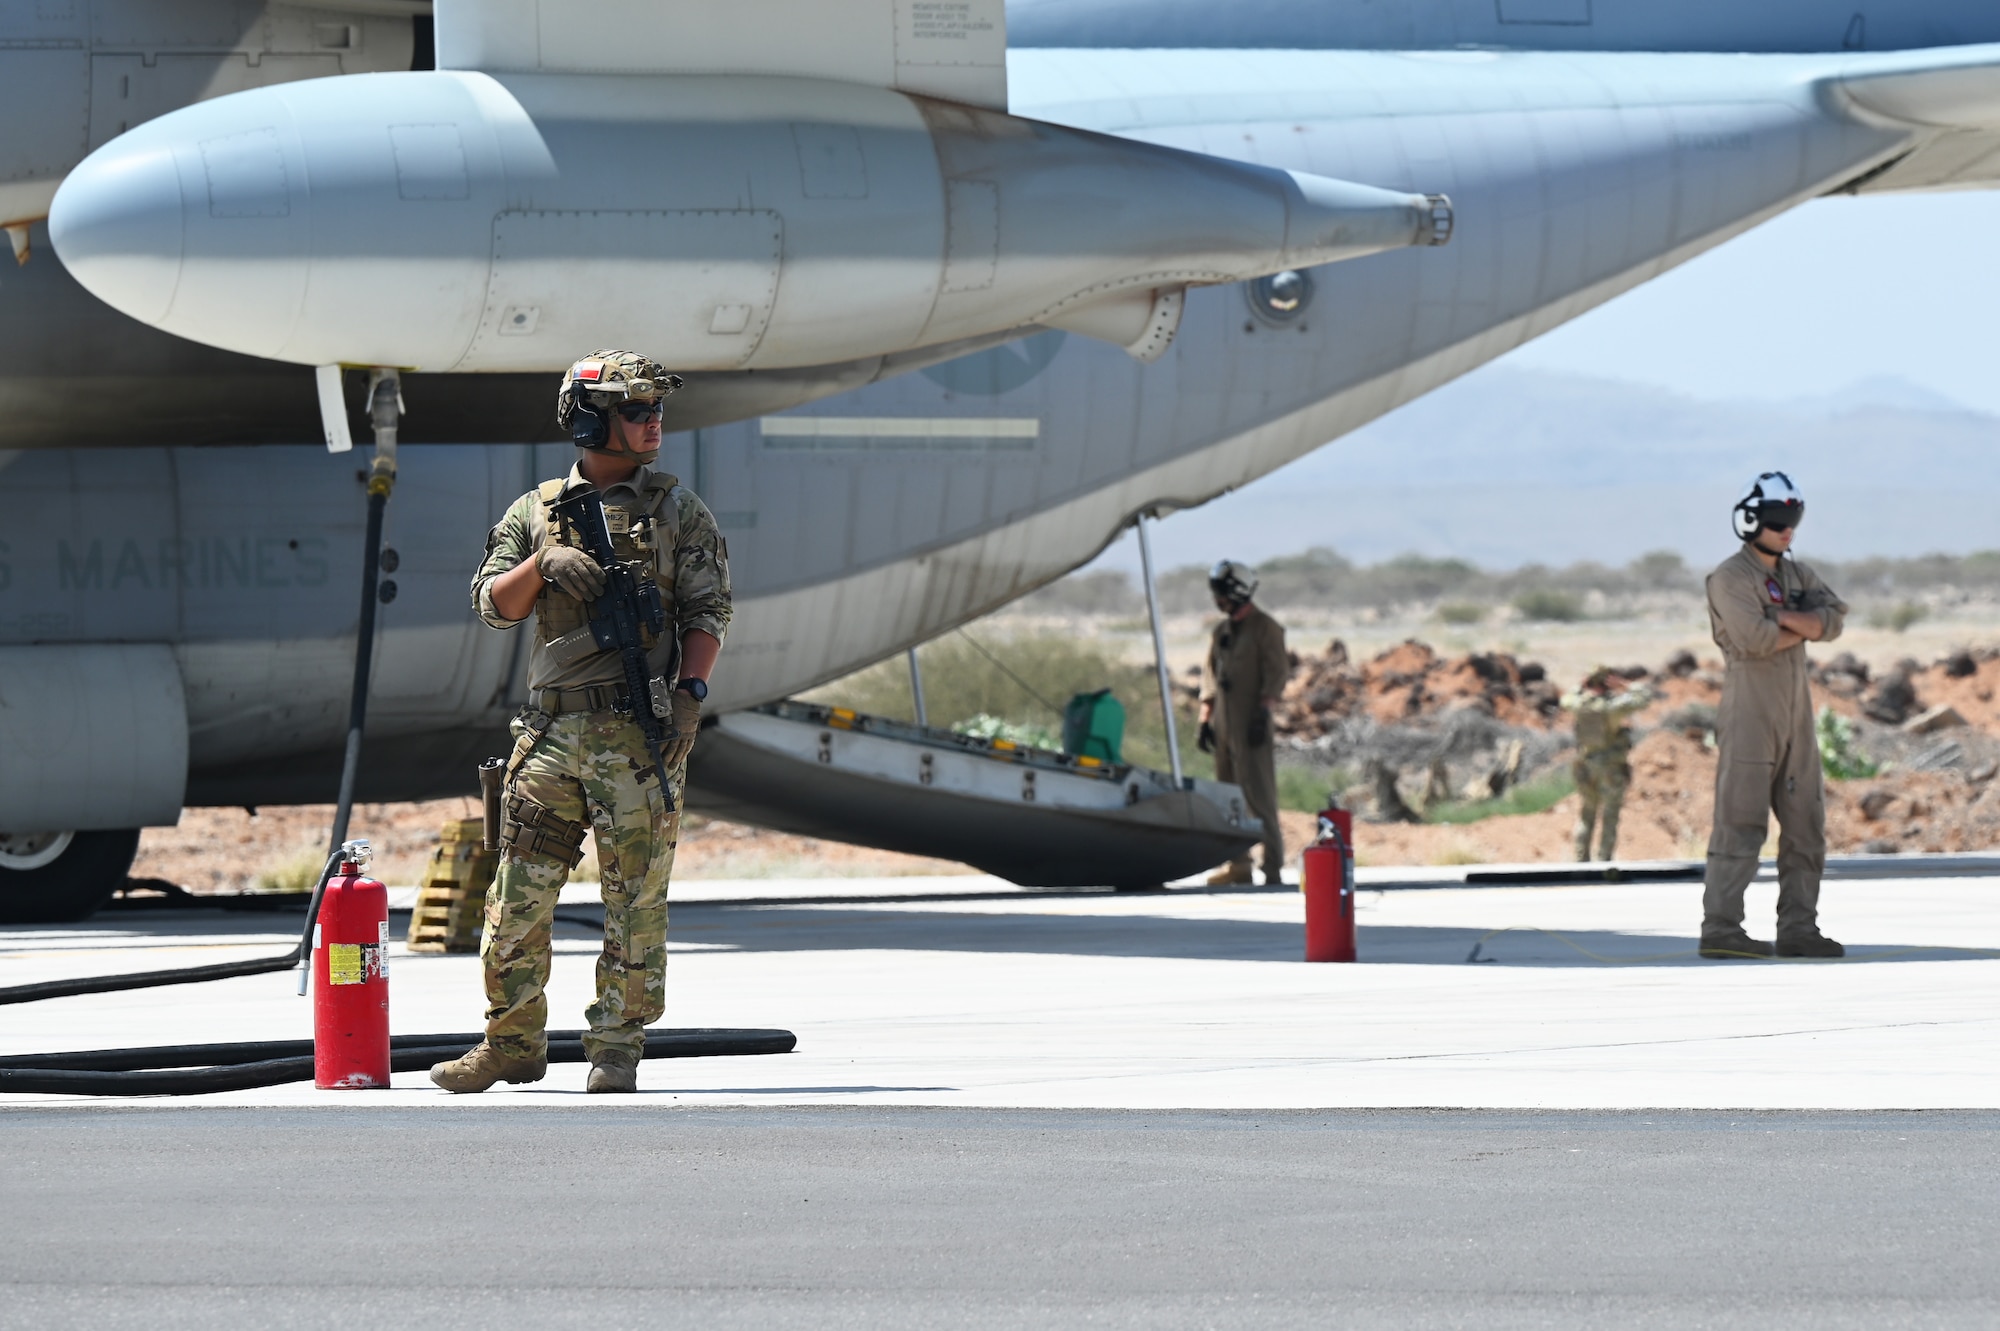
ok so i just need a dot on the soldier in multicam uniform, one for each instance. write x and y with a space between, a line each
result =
579 762
1603 750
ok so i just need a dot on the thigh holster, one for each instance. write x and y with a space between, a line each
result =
530 829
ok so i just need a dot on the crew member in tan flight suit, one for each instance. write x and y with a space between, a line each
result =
1240 683
1763 608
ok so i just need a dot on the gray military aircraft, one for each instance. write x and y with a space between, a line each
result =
961 293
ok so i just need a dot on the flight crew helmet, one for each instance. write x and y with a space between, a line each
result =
1770 501
1232 582
604 382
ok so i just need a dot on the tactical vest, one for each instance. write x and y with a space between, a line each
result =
1598 731
633 538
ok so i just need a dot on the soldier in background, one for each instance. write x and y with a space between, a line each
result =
1240 682
1603 751
1763 608
580 763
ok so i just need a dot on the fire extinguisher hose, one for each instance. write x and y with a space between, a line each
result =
202 1069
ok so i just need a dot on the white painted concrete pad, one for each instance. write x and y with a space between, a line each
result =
1584 997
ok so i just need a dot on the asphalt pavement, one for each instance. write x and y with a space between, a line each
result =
894 1217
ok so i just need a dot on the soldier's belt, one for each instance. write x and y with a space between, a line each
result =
532 829
596 698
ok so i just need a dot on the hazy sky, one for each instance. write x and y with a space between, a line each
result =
1836 292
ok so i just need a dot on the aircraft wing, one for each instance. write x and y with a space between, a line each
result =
950 49
1954 92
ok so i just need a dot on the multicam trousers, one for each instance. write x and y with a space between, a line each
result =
1600 781
588 767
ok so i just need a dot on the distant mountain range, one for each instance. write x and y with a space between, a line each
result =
1511 466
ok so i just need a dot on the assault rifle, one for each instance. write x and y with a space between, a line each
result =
619 620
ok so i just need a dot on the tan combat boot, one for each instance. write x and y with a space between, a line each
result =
1236 873
1811 945
1734 947
613 1072
483 1065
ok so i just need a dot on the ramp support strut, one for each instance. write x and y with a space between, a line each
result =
1159 646
917 689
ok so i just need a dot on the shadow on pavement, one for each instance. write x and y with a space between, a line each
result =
775 929
862 928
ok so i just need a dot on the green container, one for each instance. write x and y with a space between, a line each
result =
1094 727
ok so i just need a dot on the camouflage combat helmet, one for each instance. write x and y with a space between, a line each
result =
595 386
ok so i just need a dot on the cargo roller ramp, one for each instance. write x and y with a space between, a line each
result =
1031 816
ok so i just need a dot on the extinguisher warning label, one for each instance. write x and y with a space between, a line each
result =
354 963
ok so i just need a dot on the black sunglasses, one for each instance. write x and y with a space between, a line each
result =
636 412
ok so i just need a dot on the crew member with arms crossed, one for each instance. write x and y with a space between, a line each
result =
1763 608
580 763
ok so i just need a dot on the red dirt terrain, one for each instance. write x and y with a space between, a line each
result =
1411 681
1668 807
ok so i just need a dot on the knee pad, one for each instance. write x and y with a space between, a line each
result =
532 829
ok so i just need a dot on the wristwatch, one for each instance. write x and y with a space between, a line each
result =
697 687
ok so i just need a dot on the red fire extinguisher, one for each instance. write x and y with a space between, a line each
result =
1328 883
351 978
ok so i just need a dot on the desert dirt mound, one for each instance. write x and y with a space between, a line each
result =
1937 791
1668 809
1411 682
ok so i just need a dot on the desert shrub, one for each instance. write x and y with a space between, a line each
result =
1549 605
1022 681
1662 570
1536 796
298 874
1304 789
1461 612
1839 756
1898 617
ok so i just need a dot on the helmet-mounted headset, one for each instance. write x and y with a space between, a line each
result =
1771 502
1232 582
605 382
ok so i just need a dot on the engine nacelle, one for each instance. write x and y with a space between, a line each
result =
459 221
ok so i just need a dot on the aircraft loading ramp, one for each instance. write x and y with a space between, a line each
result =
1033 817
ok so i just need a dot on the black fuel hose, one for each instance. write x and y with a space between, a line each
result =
385 406
222 970
201 1069
106 984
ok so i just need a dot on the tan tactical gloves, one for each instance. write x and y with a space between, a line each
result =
572 570
681 729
